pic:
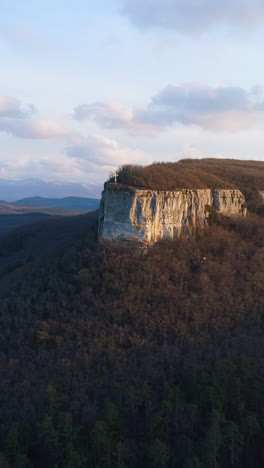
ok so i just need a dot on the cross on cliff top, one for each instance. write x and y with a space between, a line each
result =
115 176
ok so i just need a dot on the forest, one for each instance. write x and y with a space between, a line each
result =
247 176
118 357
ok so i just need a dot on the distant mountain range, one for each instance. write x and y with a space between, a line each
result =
32 210
67 203
18 189
60 206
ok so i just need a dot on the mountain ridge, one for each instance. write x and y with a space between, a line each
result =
24 188
73 203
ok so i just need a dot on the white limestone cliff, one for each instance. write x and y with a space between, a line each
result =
148 216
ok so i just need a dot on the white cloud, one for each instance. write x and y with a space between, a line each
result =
57 166
12 107
18 121
34 129
105 152
110 115
84 156
218 108
90 159
189 16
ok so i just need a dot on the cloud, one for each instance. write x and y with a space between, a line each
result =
33 129
57 166
220 108
17 121
104 152
113 115
110 115
86 159
95 155
12 107
189 16
217 108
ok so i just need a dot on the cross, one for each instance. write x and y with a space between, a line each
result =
115 176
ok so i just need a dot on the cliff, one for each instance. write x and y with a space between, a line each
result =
148 216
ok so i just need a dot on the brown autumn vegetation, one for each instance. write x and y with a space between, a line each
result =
195 174
247 176
113 358
116 358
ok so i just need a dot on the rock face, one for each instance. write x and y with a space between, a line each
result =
148 216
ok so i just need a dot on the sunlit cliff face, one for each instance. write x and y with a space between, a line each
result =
148 216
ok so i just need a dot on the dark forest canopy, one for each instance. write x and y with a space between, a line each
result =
195 174
114 357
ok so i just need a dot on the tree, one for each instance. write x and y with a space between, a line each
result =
233 441
213 441
159 454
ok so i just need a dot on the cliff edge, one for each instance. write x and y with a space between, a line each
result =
147 216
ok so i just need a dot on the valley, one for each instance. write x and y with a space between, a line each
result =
32 210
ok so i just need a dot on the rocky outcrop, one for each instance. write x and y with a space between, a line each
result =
148 216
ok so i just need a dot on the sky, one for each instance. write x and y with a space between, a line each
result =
88 86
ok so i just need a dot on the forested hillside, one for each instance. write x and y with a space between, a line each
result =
247 176
196 173
118 357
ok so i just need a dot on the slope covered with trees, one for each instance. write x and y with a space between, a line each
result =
247 176
114 357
